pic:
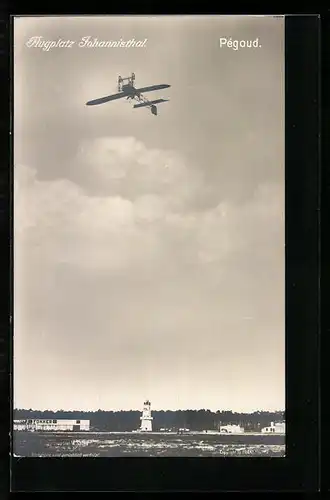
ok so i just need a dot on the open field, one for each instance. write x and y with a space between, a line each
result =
106 444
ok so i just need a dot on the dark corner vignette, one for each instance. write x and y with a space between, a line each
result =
298 471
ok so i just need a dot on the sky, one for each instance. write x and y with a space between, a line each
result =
149 251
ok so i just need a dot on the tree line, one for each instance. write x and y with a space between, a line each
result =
195 420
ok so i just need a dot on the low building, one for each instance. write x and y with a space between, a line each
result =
231 429
276 428
43 424
19 425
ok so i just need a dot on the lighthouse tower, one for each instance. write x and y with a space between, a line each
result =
146 418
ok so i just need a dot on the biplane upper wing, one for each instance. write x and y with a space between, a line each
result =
107 98
153 87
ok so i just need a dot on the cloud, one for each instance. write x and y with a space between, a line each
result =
125 167
119 272
145 220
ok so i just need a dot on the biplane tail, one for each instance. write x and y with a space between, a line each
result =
151 105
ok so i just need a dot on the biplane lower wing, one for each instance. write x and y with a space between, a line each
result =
107 98
153 87
149 103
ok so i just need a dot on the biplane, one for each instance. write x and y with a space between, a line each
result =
131 93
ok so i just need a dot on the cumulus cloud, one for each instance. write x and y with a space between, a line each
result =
141 269
144 220
124 166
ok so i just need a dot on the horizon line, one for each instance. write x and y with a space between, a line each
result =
155 409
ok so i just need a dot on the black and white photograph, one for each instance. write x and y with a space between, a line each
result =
148 236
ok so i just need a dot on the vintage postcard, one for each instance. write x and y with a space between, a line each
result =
149 242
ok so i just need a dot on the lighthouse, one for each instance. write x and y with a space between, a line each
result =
146 418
